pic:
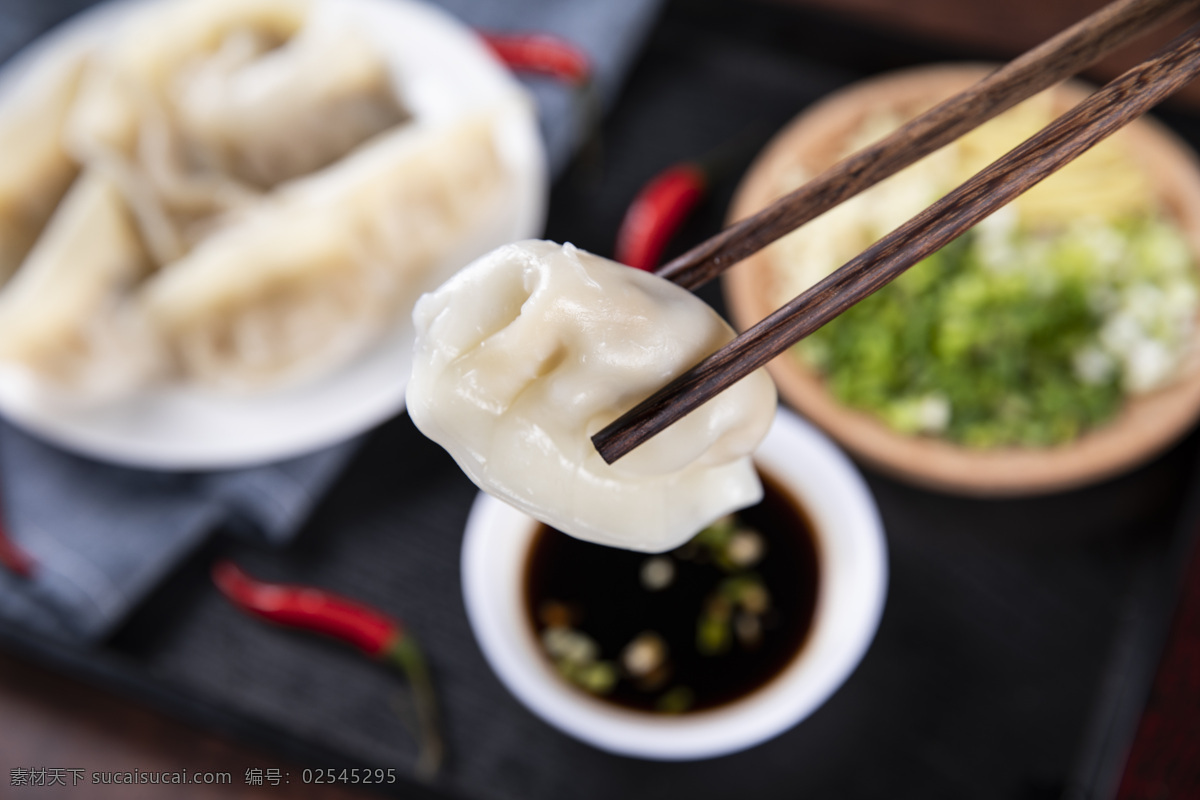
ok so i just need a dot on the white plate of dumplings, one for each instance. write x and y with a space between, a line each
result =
216 215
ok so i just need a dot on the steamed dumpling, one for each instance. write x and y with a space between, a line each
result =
302 283
123 119
200 106
526 353
262 91
65 315
35 169
269 117
265 302
148 53
234 193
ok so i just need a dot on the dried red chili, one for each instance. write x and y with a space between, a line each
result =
542 54
346 620
12 557
657 212
554 57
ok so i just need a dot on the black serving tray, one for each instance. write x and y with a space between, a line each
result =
1017 642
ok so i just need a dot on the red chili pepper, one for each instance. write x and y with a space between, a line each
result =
12 557
657 212
554 57
346 620
542 54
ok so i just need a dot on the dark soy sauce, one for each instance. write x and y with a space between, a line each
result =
605 596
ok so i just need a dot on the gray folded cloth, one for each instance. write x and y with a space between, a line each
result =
104 536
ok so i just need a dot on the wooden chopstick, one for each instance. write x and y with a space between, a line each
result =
1056 59
1118 103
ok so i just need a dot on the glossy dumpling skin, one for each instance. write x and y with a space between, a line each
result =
531 349
306 281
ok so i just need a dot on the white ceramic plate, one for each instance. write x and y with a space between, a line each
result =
443 72
852 587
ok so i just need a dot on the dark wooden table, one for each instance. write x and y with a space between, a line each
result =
50 721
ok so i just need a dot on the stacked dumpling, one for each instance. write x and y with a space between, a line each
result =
234 192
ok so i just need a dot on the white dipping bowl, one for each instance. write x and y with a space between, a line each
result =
852 584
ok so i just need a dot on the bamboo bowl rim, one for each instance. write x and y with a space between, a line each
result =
1145 426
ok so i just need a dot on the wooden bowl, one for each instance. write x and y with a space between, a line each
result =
1146 425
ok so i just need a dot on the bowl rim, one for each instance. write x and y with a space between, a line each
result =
1146 425
853 586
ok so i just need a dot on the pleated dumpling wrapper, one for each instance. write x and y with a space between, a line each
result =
66 314
35 170
312 278
530 350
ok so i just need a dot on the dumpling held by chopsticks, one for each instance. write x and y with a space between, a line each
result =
531 349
